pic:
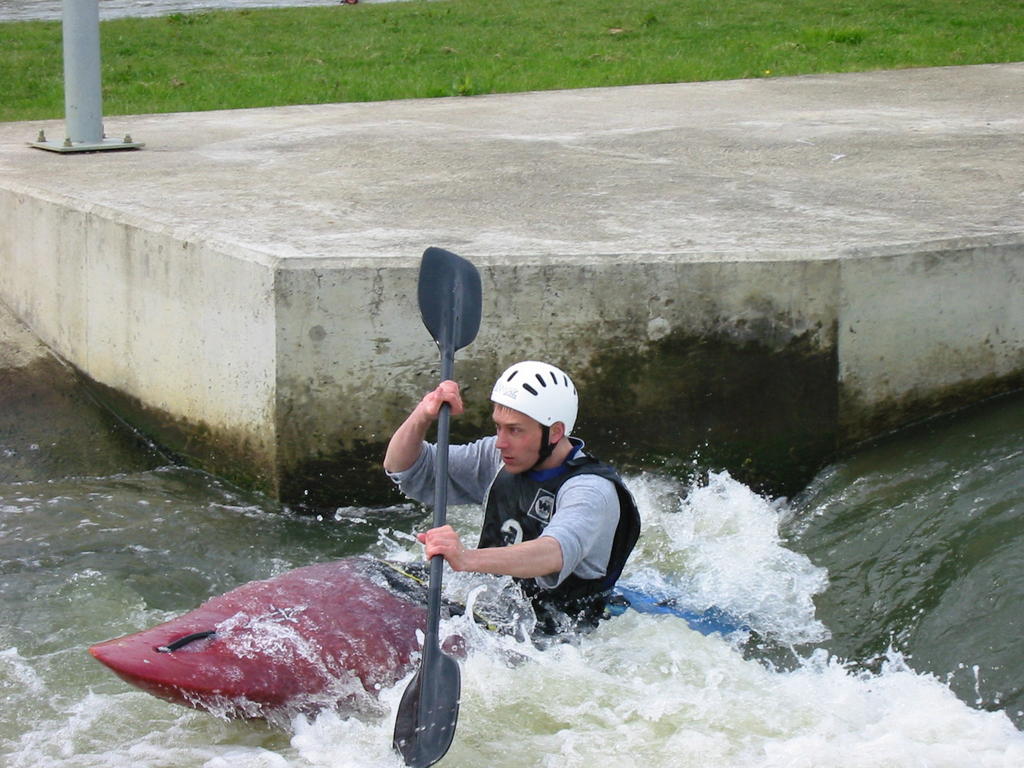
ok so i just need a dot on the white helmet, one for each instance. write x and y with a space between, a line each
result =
539 390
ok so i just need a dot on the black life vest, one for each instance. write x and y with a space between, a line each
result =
519 508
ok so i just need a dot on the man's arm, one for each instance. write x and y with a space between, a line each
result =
526 560
407 442
584 526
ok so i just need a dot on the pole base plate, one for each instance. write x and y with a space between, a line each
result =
103 145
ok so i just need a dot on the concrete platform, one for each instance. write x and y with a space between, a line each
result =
765 270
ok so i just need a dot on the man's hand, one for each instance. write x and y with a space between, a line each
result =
445 541
525 560
407 442
430 406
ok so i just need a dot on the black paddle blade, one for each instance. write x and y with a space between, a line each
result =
450 298
425 725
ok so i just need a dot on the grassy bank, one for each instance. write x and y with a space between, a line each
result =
240 59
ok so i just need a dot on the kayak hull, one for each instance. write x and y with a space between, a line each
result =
326 635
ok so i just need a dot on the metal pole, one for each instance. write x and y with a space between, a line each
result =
83 87
83 99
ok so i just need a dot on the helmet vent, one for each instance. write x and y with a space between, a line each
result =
529 389
540 379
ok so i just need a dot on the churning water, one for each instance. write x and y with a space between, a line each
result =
884 603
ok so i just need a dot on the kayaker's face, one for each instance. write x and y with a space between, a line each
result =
518 439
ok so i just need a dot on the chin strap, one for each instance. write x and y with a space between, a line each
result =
546 446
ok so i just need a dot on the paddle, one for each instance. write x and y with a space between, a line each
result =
450 303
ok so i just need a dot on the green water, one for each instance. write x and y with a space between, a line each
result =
923 537
896 578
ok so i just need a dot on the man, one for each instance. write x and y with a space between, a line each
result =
555 518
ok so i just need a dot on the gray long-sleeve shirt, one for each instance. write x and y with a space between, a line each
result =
586 506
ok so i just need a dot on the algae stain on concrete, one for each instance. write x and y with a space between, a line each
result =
862 421
234 455
766 413
346 469
50 425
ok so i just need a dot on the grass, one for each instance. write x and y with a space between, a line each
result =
236 59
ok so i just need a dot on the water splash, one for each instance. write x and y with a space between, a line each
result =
641 689
717 544
647 691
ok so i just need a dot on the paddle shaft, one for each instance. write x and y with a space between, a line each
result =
431 641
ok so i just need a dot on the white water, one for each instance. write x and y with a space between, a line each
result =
642 690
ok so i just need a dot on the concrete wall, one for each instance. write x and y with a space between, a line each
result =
651 346
766 367
176 334
289 375
927 328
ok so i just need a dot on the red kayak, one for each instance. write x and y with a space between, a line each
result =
323 636
320 636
